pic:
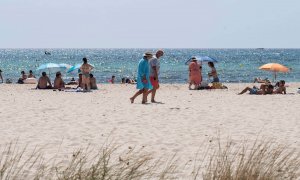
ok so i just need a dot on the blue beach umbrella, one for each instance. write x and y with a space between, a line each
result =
202 59
77 66
73 68
51 67
65 66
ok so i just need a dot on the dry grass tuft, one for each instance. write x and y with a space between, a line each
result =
263 160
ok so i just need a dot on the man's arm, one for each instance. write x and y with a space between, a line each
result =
155 72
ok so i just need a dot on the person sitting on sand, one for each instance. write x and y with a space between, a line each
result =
72 82
194 74
22 78
213 72
58 82
1 75
264 90
30 75
112 80
43 82
280 87
130 81
93 82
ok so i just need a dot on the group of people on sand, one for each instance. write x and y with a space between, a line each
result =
86 80
195 73
267 88
124 80
24 76
147 81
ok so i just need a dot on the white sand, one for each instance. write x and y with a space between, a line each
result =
65 121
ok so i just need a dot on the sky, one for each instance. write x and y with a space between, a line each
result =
149 24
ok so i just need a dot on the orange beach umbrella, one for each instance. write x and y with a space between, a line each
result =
274 67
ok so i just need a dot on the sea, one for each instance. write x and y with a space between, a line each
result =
234 65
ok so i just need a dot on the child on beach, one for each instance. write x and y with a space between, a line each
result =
112 80
93 82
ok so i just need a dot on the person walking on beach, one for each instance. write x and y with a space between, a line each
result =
194 74
154 72
143 80
85 70
213 72
1 75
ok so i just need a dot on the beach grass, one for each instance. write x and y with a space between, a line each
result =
255 160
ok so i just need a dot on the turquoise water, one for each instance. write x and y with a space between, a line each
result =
235 65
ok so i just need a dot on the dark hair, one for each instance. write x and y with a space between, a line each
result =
282 81
22 72
91 75
127 81
270 86
84 60
44 74
113 76
30 71
58 74
0 70
123 80
211 64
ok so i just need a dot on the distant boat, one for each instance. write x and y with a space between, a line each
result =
47 53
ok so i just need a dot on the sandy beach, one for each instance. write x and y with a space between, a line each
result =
64 121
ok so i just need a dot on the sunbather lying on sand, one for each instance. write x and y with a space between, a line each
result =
262 91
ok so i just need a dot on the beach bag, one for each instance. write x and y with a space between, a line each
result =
217 85
8 81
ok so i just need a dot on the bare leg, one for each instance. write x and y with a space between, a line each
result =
88 84
245 90
145 93
136 95
190 86
153 95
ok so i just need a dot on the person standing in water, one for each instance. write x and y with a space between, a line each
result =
86 70
143 80
154 72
